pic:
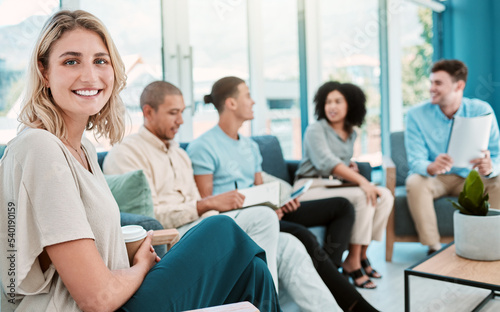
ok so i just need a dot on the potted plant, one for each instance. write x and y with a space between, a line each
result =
476 225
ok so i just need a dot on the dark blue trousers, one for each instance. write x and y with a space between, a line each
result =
214 263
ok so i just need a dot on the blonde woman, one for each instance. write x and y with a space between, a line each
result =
328 149
64 230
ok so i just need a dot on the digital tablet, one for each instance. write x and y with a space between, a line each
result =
299 191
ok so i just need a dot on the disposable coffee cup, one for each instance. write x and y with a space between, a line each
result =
133 235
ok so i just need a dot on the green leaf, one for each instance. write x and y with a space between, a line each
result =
474 188
469 206
457 206
472 200
485 206
484 209
461 197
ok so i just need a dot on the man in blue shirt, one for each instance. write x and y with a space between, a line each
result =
432 172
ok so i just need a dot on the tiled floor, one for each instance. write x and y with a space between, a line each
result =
426 295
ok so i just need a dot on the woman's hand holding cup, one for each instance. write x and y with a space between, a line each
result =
146 252
139 247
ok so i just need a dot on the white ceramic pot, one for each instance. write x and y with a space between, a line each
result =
477 237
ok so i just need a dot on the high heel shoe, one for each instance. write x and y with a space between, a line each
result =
358 274
365 263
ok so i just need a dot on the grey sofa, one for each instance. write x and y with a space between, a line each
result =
400 227
274 164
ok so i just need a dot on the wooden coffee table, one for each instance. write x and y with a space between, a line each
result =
445 265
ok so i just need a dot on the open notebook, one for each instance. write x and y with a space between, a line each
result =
268 194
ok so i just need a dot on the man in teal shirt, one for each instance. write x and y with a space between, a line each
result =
432 172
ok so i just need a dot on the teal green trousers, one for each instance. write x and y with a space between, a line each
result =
214 263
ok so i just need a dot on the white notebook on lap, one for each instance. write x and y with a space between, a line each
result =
267 194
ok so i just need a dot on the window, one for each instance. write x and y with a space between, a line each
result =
136 31
416 52
281 74
19 29
350 53
218 36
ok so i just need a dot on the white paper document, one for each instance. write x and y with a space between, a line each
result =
265 194
469 137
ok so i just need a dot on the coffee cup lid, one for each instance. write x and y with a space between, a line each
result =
132 233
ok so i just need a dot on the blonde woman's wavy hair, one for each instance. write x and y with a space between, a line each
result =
38 107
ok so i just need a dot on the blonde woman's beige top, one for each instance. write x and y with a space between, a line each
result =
49 198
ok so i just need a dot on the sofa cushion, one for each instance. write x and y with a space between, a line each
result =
132 193
273 161
100 158
404 224
183 145
398 156
365 169
2 149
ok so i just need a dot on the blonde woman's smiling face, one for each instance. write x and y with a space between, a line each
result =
80 75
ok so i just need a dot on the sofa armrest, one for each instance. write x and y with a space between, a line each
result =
244 306
292 166
165 237
390 173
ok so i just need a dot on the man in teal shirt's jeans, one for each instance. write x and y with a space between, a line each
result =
432 173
